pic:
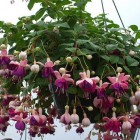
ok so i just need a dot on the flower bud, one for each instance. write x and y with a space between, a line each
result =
137 95
90 108
131 53
56 30
35 68
138 76
66 107
16 52
69 59
22 55
114 109
126 125
57 62
92 72
85 121
36 49
19 109
62 70
119 69
74 117
89 57
118 100
3 46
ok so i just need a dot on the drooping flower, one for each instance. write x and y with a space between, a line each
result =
42 118
103 101
18 69
5 58
62 81
86 83
33 130
48 129
112 124
6 99
34 118
104 104
20 122
48 70
119 84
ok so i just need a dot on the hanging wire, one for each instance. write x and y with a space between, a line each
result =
105 23
118 14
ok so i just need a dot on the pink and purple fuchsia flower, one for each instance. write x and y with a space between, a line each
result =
18 70
86 83
48 70
103 101
62 81
5 59
119 84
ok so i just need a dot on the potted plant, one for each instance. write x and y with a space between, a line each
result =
75 66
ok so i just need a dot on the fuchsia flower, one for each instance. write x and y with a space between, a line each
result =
127 122
4 58
47 130
33 130
34 119
38 119
119 84
48 69
103 101
62 81
18 69
42 118
6 99
20 122
86 83
112 124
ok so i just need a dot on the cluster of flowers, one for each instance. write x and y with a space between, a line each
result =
21 111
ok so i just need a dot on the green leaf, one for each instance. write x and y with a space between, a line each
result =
40 13
31 4
65 25
131 61
127 69
71 49
81 41
94 46
113 25
137 35
134 27
1 23
111 47
105 57
114 59
72 90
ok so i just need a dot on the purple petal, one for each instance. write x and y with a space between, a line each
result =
20 125
47 71
20 71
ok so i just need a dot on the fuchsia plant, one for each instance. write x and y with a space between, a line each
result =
71 69
18 109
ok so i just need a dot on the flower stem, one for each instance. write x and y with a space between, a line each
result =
44 48
81 63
